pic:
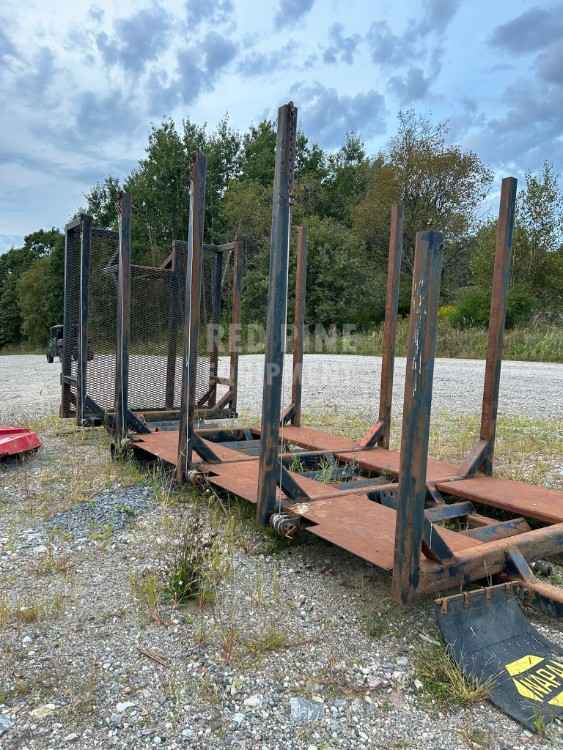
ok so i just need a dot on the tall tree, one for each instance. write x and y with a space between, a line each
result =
101 203
347 179
537 250
45 247
440 186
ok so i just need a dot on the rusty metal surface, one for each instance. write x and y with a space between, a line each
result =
164 445
372 459
520 498
390 325
501 279
277 311
410 531
388 462
364 528
192 312
299 324
306 437
367 529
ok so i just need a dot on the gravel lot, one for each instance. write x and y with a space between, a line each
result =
346 384
302 649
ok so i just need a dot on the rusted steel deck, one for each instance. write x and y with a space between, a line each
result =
519 498
366 528
371 459
164 446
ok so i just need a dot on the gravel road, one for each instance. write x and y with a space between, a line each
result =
349 383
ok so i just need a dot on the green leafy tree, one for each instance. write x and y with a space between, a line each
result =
341 283
47 245
223 150
102 202
10 315
440 186
347 179
537 252
257 161
33 298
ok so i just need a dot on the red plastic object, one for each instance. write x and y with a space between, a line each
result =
14 440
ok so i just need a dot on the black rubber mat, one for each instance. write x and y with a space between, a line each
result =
490 639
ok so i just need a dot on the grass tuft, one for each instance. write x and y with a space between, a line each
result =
444 682
28 610
197 564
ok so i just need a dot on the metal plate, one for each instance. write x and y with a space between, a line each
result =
491 640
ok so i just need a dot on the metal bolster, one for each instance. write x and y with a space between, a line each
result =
446 512
290 487
206 453
287 416
433 544
372 436
475 460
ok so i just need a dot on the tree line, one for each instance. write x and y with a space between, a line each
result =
344 198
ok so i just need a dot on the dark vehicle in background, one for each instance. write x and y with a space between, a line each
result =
55 343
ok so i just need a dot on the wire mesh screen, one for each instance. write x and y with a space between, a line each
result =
156 319
211 326
155 343
214 319
102 309
72 304
206 356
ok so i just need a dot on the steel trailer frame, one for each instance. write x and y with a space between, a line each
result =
394 516
75 400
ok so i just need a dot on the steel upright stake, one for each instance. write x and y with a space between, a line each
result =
123 320
192 312
277 310
70 261
497 319
299 324
174 306
214 328
390 325
416 414
82 375
234 332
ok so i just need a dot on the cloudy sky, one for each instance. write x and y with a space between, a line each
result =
81 82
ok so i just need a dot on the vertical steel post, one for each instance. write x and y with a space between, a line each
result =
497 319
299 324
214 329
123 320
277 313
416 414
390 325
192 313
177 275
82 349
66 373
234 333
